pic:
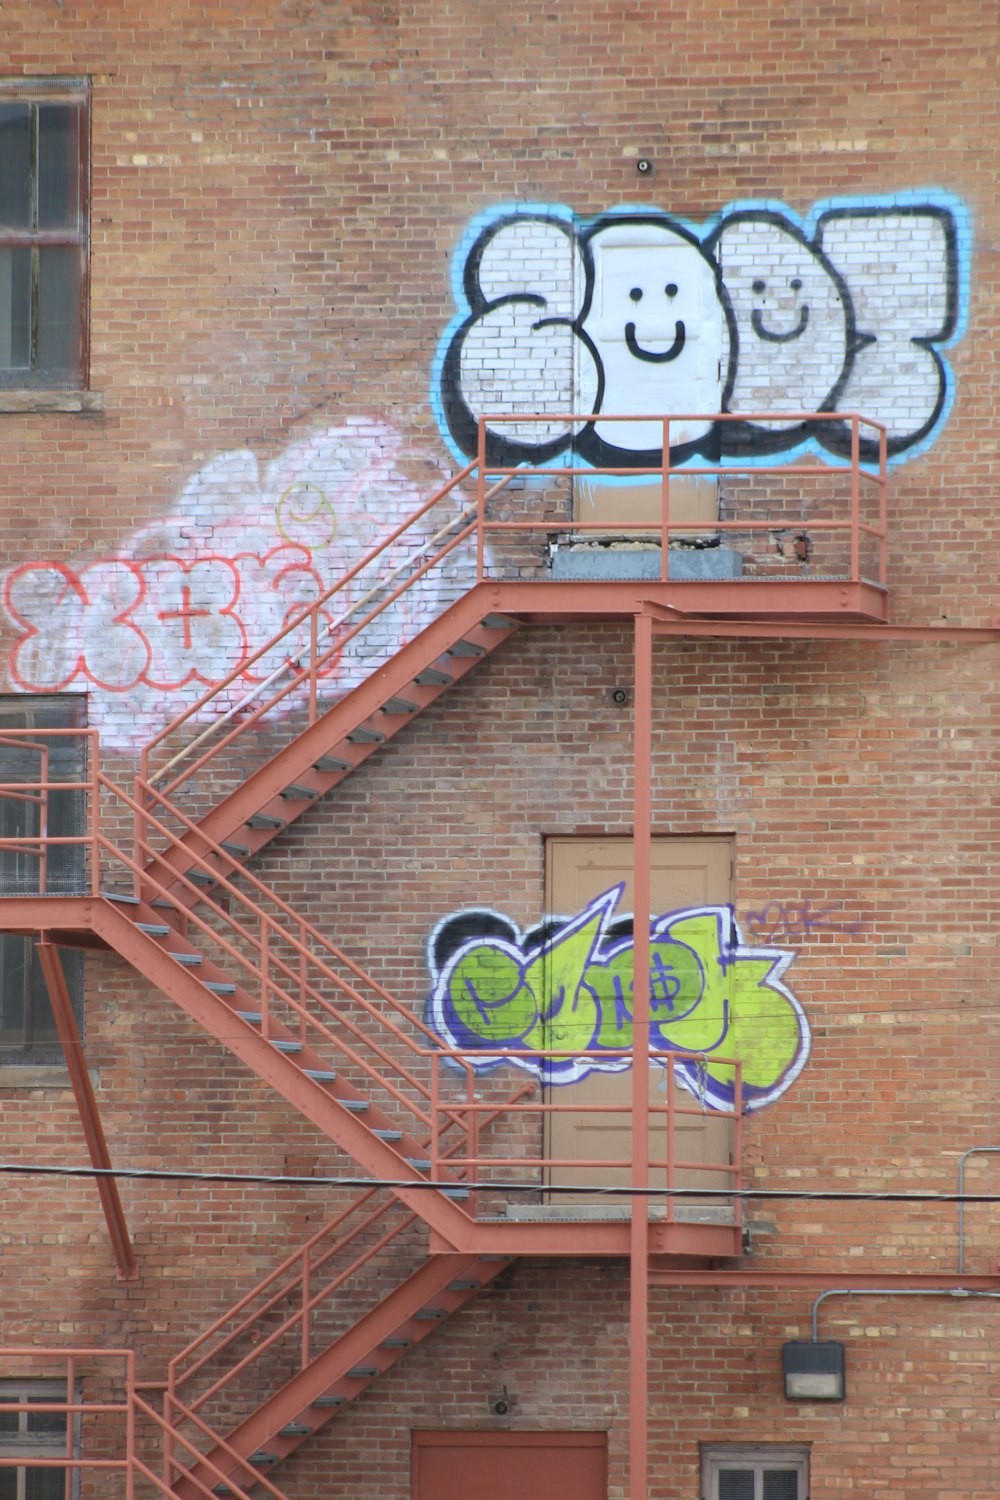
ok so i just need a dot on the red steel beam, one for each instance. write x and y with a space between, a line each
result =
86 1103
642 814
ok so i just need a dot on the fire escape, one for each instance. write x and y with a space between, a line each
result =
170 887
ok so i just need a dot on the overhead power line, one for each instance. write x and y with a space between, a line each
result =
275 1179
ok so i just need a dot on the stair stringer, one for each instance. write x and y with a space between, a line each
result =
380 1159
409 1313
261 793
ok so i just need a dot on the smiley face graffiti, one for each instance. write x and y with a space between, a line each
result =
794 320
658 321
636 315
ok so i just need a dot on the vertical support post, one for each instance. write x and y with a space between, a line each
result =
313 661
86 1103
883 509
665 504
472 1135
855 501
642 811
71 1426
481 502
435 1107
265 976
130 1452
306 1312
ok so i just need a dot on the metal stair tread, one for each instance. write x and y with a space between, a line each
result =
365 736
396 1344
388 1135
264 820
499 622
154 929
363 1372
220 986
418 1163
189 960
253 1016
430 1314
320 1075
296 792
356 1106
464 1286
295 1429
433 677
240 850
328 763
399 706
466 648
281 1045
326 1401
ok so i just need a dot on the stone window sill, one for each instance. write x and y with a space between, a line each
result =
86 402
29 1076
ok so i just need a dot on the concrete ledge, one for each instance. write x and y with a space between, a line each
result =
615 562
85 402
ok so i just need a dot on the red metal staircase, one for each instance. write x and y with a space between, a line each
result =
184 909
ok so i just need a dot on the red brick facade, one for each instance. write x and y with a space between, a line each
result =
278 192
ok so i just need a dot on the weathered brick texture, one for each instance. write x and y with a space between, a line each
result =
278 191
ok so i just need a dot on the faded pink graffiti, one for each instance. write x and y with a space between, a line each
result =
187 600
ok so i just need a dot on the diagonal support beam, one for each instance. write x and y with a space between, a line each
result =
86 1103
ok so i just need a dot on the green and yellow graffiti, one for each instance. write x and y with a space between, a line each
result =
563 997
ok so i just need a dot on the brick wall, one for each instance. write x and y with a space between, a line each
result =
279 191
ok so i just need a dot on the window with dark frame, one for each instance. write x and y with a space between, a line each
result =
25 1435
28 1032
44 232
754 1472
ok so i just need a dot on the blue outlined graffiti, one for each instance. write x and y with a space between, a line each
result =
565 986
756 310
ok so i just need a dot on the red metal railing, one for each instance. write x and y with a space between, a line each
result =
305 987
664 1162
852 525
313 640
102 1441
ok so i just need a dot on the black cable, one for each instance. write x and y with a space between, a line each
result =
162 1174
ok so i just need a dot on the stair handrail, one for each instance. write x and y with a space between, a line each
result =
235 892
310 613
177 1377
172 1435
309 609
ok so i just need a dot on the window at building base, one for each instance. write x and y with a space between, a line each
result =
27 1435
762 1471
28 1032
44 232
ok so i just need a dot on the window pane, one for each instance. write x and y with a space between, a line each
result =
736 1484
15 166
8 1484
58 308
15 308
48 1423
15 968
781 1484
58 166
44 1484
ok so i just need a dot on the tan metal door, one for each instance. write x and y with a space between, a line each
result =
683 872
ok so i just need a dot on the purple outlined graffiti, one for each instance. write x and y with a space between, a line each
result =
565 986
639 312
